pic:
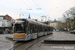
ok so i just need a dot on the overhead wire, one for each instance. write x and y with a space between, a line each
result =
26 4
40 7
43 10
36 5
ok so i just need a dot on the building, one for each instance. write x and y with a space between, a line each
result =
54 24
7 17
5 23
58 25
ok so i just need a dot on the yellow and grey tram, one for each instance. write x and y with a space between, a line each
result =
25 29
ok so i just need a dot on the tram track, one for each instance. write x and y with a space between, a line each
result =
30 43
36 42
16 45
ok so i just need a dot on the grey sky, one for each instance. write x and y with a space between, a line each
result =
52 8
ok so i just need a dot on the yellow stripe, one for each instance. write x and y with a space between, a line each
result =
20 21
20 34
33 23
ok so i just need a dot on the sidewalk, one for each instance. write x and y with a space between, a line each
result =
61 37
51 44
5 43
3 37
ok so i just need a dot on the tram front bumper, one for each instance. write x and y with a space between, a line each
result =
20 38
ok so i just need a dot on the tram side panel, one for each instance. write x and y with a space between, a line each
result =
33 30
39 31
52 30
46 31
25 30
42 32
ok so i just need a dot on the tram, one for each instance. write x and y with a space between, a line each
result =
26 29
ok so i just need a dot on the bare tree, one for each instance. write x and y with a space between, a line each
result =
69 17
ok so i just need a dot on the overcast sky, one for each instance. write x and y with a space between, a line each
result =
50 8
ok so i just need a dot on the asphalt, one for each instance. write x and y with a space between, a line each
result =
5 43
10 37
51 42
59 37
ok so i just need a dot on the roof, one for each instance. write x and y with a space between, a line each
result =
53 21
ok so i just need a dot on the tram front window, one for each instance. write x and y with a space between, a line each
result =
20 28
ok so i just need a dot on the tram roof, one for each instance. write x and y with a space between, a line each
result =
29 20
36 22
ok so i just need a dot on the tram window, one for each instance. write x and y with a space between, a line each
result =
35 28
32 28
48 28
51 29
45 29
38 28
20 28
42 28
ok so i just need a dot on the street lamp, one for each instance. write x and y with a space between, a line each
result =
38 8
28 9
20 15
45 17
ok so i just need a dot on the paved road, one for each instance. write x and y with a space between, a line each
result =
25 45
5 44
42 46
34 44
45 46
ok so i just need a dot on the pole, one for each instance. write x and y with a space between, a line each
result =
20 15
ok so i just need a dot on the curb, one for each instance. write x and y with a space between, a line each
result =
59 41
10 38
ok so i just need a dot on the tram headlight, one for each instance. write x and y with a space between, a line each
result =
25 34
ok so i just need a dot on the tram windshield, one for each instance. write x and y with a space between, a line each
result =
20 28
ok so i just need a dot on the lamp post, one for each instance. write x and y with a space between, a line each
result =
45 17
20 15
49 20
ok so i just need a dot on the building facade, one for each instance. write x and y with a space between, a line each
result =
54 24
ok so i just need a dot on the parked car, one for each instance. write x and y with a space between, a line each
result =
57 30
72 31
